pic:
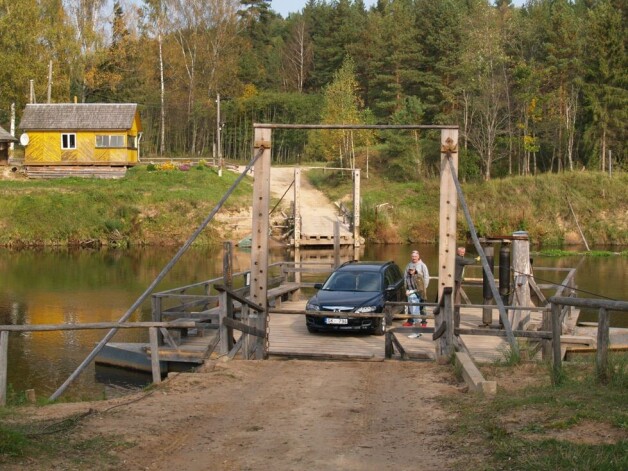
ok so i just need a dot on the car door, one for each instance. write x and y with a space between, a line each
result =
393 277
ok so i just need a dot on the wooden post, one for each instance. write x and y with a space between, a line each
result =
155 302
447 235
226 304
448 317
546 345
297 207
336 244
388 345
154 355
356 207
297 265
603 339
556 333
522 270
218 137
4 356
259 246
156 314
247 341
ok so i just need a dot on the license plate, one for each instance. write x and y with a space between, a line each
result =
336 320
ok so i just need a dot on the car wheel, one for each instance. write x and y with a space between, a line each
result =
312 330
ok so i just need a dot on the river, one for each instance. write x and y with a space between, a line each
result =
78 286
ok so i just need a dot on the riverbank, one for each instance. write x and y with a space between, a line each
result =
550 207
165 207
153 208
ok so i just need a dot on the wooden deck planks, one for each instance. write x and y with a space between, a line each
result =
290 337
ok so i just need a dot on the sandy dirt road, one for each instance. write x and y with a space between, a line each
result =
276 415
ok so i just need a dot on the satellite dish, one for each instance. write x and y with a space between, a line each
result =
24 139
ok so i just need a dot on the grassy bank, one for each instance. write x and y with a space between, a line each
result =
164 208
409 212
532 425
145 207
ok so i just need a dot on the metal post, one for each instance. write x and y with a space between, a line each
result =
487 294
504 275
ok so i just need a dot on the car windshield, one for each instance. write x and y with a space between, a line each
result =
353 281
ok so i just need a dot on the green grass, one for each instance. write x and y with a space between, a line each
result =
145 207
25 442
579 425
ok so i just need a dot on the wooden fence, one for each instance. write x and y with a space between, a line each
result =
558 303
153 328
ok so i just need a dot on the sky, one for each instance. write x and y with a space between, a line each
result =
283 7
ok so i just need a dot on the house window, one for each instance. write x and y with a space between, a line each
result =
132 142
68 141
103 140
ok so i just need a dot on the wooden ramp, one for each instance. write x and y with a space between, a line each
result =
318 229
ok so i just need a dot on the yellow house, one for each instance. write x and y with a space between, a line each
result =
85 134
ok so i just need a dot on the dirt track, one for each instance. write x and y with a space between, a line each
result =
278 415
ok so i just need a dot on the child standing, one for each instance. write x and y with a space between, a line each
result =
415 291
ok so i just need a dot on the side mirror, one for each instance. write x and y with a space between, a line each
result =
318 285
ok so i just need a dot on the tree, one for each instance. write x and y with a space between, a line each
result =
116 77
297 55
86 18
482 61
341 105
157 14
606 89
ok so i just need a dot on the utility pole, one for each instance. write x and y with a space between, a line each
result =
49 81
218 130
11 144
32 91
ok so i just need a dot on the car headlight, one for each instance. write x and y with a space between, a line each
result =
312 307
363 309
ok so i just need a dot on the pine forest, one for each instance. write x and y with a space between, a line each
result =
534 89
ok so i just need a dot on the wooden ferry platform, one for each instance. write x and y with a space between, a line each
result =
289 338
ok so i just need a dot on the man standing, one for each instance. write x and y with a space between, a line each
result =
461 262
421 270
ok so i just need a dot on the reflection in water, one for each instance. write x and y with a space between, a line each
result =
79 286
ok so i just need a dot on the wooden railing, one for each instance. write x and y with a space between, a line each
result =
558 303
153 328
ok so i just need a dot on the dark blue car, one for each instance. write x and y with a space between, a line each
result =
357 287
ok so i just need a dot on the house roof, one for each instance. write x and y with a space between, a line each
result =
78 116
5 136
